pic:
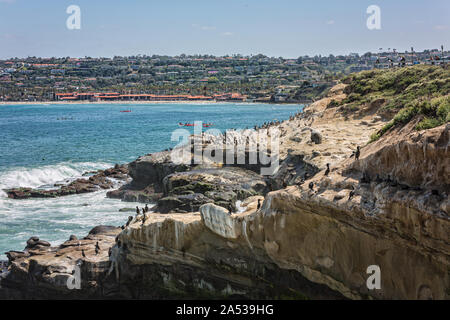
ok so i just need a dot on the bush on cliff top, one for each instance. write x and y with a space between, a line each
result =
435 113
411 91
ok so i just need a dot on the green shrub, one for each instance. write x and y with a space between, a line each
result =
412 91
428 123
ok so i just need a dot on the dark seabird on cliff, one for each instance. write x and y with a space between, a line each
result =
356 153
97 248
130 218
259 204
328 169
83 254
311 186
352 193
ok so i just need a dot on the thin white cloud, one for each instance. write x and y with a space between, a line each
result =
204 28
8 36
227 34
330 22
441 27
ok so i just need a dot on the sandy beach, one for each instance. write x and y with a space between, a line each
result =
129 102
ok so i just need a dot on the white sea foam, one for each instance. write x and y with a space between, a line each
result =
46 175
54 219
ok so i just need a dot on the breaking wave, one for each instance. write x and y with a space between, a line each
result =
46 175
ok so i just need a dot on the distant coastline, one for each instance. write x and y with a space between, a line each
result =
131 102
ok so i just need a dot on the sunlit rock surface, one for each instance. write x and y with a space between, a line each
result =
313 236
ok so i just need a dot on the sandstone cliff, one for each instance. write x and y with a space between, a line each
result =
314 235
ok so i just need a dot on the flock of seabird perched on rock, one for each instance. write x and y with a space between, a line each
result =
365 178
139 213
355 154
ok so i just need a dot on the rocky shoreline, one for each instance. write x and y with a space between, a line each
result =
225 231
101 179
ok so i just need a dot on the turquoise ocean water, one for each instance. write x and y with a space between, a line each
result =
44 144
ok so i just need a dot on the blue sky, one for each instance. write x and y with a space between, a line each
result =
288 28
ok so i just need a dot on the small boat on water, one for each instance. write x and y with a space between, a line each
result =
125 110
205 125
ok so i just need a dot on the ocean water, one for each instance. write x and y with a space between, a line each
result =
44 144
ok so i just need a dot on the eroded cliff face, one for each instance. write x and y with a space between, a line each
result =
313 237
203 255
387 208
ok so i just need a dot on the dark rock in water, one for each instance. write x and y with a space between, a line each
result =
100 180
147 195
115 194
152 169
32 241
102 230
13 255
156 177
73 237
187 191
43 243
182 203
127 210
43 273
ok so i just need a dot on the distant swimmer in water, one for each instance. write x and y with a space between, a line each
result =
328 169
259 204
